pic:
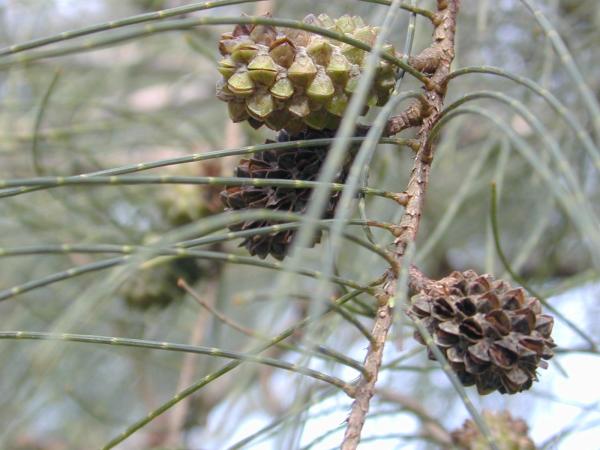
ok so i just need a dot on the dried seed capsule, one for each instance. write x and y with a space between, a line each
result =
280 118
299 106
322 119
244 51
283 52
227 67
237 112
321 88
262 69
353 54
358 22
263 34
345 24
320 51
326 21
223 92
241 84
260 105
302 71
339 69
227 44
366 35
282 89
337 104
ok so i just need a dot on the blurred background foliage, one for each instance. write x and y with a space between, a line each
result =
153 98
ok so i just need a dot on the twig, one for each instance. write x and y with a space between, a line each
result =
264 8
234 138
507 266
176 419
410 117
443 49
215 312
432 427
319 350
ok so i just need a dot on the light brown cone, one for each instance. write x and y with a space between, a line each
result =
494 336
508 433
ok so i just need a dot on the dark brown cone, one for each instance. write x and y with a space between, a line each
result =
493 336
293 164
508 433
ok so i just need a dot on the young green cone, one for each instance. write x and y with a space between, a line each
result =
292 79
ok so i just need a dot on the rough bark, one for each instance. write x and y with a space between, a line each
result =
441 54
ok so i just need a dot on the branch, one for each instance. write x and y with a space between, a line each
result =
428 60
176 420
412 116
443 48
432 428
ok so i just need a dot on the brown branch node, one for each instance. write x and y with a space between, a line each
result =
428 60
412 116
